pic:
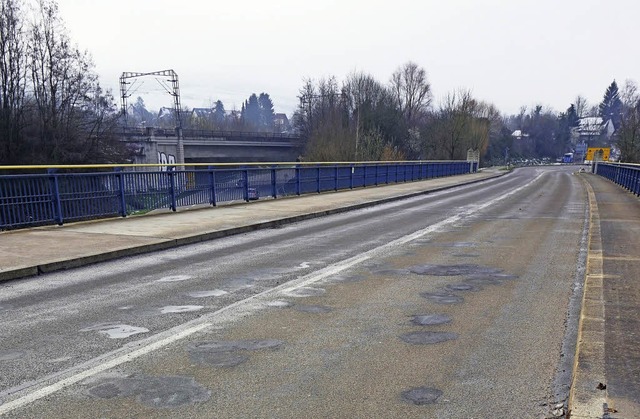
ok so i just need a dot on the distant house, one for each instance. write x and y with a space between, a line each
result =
522 143
593 130
166 117
201 118
281 122
205 114
519 135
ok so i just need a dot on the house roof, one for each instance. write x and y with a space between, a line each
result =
590 126
201 112
519 134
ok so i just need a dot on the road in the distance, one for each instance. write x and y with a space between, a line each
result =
452 304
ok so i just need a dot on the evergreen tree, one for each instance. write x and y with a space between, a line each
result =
251 111
573 120
611 105
266 111
218 113
139 114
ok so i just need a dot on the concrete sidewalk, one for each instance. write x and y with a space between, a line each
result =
39 250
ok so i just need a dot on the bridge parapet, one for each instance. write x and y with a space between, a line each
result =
100 191
200 133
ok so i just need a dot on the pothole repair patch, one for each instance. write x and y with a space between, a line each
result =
157 392
462 287
313 309
430 319
228 353
452 270
442 297
422 395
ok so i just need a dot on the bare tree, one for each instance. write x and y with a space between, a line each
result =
485 123
456 114
628 133
13 76
65 91
629 94
581 106
412 91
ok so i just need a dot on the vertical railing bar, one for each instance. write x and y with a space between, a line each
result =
55 198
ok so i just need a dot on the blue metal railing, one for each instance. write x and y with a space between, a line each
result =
625 175
28 200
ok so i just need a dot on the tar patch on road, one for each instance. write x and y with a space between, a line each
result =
313 309
11 355
430 319
422 395
442 297
157 392
228 353
453 270
463 287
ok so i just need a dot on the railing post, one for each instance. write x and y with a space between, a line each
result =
336 175
318 179
298 180
123 201
386 173
55 198
171 171
212 186
245 177
376 181
274 184
353 169
364 175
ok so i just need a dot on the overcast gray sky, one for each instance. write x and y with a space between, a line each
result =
510 53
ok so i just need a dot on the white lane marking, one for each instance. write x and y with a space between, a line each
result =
228 313
304 265
174 278
90 372
179 309
116 331
205 294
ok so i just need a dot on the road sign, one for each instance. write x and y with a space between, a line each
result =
598 153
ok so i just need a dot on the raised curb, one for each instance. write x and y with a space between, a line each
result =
588 397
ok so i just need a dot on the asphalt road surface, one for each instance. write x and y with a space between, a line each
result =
456 304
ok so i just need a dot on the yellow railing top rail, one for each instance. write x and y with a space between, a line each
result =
113 166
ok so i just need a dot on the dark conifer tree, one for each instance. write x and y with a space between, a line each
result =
266 111
611 105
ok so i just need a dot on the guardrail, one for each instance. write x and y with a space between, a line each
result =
57 197
625 175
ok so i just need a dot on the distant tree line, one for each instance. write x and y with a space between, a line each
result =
256 114
362 118
52 108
